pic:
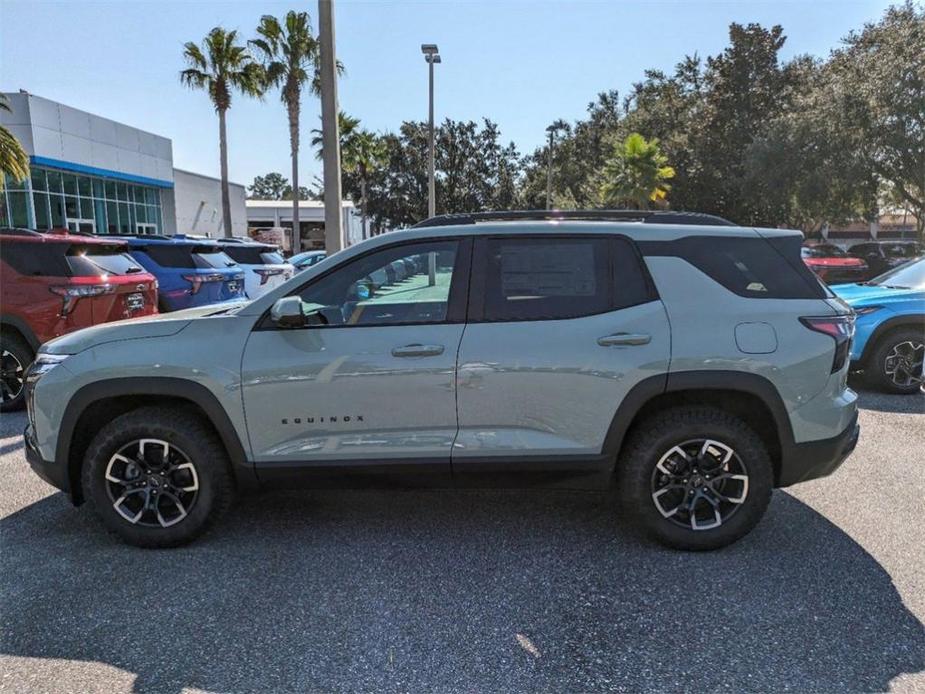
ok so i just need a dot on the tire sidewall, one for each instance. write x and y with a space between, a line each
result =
878 367
22 352
120 433
746 444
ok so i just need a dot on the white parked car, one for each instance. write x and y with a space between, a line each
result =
264 266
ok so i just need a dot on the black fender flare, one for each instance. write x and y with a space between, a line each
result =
706 380
910 320
22 327
191 391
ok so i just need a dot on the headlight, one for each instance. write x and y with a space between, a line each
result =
864 310
42 365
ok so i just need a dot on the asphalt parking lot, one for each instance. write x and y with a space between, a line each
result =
477 591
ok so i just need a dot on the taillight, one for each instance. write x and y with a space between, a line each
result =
198 280
267 273
71 293
840 329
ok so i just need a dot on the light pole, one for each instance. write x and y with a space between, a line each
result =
333 227
551 131
432 56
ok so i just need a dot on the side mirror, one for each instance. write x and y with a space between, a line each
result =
287 312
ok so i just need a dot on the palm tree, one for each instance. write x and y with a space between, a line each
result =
290 59
362 152
346 126
220 66
636 174
14 162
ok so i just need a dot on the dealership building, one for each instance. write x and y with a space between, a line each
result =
95 175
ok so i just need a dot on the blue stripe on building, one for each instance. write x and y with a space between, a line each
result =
104 173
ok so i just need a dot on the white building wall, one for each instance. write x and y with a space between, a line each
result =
198 201
52 131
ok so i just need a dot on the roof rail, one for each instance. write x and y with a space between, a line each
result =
13 231
645 216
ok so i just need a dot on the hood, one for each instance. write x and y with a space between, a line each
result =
857 294
161 325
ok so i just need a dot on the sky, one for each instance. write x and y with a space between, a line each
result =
522 64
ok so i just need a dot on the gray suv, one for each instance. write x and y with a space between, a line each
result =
693 364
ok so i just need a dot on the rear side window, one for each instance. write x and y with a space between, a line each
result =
752 267
36 259
541 279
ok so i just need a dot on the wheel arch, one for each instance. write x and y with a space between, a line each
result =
22 328
98 403
747 395
910 320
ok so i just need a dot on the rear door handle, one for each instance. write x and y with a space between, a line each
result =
618 339
417 351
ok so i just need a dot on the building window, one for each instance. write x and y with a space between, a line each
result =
51 199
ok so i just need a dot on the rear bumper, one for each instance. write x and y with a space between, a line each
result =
56 475
814 459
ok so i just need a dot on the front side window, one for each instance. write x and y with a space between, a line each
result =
408 284
541 279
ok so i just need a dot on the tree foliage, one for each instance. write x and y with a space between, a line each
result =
275 186
14 162
636 174
759 140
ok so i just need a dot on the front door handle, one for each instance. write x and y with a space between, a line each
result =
417 351
618 339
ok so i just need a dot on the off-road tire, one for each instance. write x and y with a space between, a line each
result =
17 347
875 370
183 428
657 435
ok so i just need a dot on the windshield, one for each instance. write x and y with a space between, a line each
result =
823 251
909 275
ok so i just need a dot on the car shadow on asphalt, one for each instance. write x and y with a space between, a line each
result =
878 401
490 591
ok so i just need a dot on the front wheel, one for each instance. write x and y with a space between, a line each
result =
157 477
696 478
896 364
15 357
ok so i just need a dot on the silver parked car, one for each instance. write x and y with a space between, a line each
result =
693 363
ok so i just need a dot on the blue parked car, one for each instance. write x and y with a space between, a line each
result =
189 272
889 341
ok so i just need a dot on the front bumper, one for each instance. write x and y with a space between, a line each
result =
814 459
55 475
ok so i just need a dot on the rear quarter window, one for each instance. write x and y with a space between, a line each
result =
36 259
757 268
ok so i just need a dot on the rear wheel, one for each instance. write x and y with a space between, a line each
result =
696 478
15 357
896 363
157 477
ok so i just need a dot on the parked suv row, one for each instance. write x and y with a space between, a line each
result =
694 364
55 283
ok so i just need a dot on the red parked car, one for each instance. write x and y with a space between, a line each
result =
832 264
55 282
